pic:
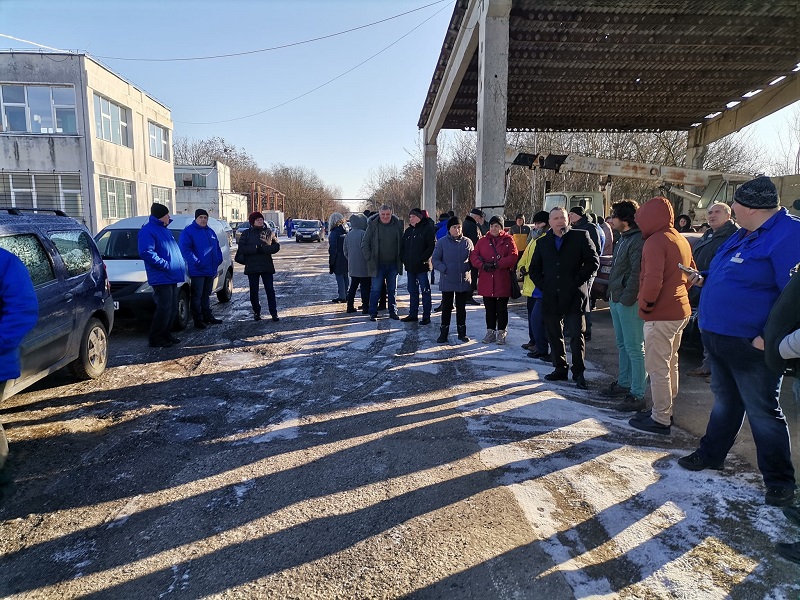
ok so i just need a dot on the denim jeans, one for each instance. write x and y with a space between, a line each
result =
269 288
742 383
201 290
419 283
386 272
341 284
629 332
166 299
536 320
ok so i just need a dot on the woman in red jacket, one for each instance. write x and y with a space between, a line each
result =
495 257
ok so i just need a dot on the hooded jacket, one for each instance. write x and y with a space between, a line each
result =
257 254
623 281
501 251
356 263
369 245
19 312
418 243
163 261
663 287
200 249
451 259
585 224
441 228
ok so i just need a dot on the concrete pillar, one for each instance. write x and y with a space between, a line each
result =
492 105
429 179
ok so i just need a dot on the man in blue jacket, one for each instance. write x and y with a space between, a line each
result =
165 269
19 311
746 276
200 249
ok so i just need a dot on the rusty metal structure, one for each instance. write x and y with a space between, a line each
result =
629 65
263 197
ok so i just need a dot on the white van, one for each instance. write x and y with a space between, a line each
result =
119 247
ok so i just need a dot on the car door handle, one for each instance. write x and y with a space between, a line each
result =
68 296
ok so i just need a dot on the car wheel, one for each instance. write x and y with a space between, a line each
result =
93 355
226 293
184 309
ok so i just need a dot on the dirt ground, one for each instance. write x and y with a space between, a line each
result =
326 456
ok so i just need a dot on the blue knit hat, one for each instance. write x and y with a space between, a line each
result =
757 193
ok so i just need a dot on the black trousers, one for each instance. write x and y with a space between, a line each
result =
166 300
366 285
496 312
554 326
461 308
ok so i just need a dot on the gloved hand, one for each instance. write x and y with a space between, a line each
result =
259 249
489 266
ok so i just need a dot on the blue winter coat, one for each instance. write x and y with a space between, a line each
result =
162 257
441 229
200 249
451 259
19 311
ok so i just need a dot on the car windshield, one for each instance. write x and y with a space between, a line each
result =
122 244
307 224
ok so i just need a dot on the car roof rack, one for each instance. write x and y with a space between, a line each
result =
14 210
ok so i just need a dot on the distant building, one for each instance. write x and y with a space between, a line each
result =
77 137
208 187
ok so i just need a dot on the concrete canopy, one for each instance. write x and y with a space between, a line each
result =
626 65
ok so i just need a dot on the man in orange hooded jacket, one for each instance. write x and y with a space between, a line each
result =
664 307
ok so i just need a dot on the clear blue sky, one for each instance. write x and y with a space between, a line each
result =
365 119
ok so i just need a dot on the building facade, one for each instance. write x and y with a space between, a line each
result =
208 187
77 137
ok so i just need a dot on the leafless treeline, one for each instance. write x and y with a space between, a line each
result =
401 187
307 196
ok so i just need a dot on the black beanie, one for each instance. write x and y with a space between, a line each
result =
453 221
496 219
158 210
417 213
541 217
757 193
578 210
200 212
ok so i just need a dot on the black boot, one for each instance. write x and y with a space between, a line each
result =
350 307
462 333
443 331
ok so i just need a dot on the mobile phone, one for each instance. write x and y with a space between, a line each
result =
688 270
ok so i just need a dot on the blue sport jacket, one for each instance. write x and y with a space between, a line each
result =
200 249
161 255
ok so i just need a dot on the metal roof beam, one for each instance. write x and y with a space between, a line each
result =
766 102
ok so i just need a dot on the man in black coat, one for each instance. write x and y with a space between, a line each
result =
561 267
473 228
419 239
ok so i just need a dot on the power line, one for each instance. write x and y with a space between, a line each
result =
319 86
316 39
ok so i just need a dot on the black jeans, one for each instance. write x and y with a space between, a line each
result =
554 326
496 312
461 308
366 285
269 288
166 299
201 290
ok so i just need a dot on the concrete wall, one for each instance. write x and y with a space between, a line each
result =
84 152
216 197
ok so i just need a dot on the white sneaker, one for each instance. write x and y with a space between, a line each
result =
501 337
491 335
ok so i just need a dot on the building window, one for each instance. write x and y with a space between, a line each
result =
38 109
44 191
111 121
190 180
116 198
163 196
159 141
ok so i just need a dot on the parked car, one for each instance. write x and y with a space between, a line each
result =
228 231
119 247
246 225
76 311
309 230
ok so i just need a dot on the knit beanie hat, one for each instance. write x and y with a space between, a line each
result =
541 217
200 212
578 210
417 213
158 210
496 220
444 217
478 212
453 221
253 216
757 193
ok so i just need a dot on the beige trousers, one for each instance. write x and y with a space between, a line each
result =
661 342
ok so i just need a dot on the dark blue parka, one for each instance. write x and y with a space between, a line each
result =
200 249
162 257
337 261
